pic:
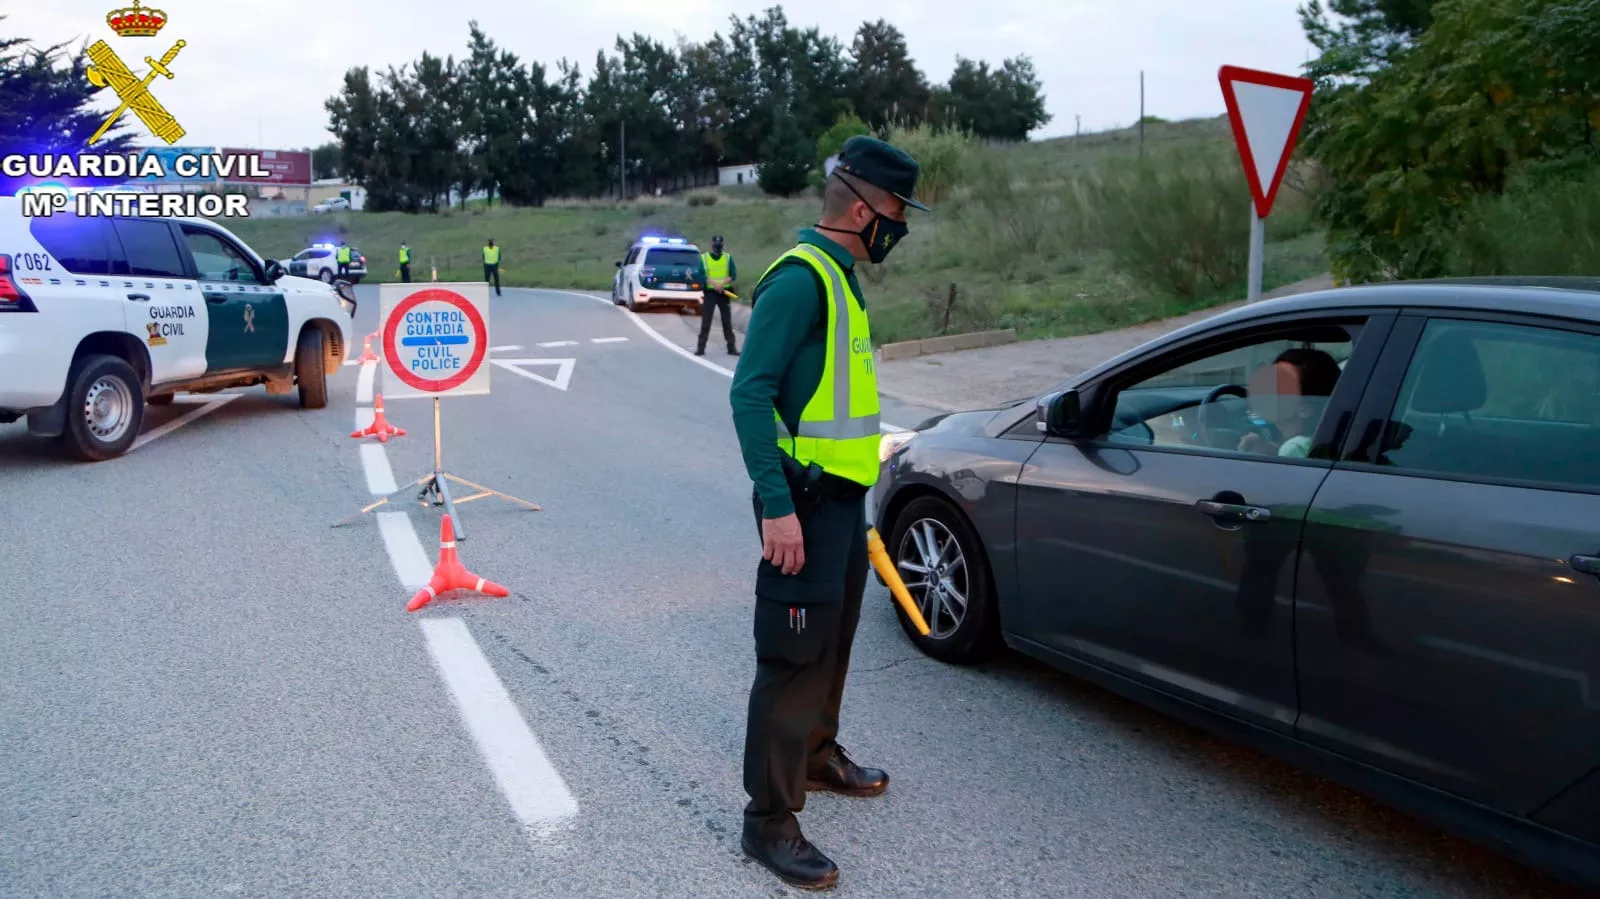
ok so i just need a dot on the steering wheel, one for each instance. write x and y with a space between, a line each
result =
1202 418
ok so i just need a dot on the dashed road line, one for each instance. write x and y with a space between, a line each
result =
364 383
664 341
505 349
405 550
554 343
529 782
608 340
375 464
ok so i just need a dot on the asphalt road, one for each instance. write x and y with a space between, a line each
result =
207 690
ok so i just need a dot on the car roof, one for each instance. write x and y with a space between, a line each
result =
1570 297
656 245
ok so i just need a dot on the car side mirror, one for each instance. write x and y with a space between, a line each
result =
1061 414
274 270
619 263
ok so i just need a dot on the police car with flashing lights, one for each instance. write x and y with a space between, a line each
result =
321 261
660 272
99 316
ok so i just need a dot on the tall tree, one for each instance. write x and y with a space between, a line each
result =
887 87
325 160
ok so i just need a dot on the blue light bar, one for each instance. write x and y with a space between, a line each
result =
649 240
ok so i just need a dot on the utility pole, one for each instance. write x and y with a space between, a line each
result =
622 163
1141 113
1077 124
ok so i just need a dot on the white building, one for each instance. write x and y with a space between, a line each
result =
733 175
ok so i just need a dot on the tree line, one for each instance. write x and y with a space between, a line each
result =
652 115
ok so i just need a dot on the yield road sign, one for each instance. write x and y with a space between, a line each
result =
563 373
435 339
1266 111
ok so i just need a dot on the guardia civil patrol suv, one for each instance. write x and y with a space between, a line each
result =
99 316
321 261
660 272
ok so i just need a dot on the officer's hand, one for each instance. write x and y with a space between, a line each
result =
783 544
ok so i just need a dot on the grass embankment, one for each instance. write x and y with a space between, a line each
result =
1052 238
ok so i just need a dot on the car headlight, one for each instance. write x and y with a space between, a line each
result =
891 442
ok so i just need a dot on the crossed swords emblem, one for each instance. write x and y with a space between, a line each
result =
108 70
249 318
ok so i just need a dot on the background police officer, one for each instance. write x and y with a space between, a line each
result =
491 265
720 275
405 263
812 467
342 255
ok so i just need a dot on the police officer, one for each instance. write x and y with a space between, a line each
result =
405 263
491 265
805 407
342 255
720 275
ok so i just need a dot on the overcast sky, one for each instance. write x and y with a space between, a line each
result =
245 80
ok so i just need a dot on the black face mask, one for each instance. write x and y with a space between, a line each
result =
880 235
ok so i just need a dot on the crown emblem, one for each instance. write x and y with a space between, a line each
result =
134 21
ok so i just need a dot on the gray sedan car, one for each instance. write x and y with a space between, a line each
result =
1358 528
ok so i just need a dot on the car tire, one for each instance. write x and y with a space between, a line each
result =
105 408
161 399
310 371
973 638
326 276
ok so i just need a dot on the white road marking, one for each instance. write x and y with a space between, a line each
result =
364 417
563 372
504 349
375 465
364 383
410 562
609 340
553 343
698 360
212 404
530 783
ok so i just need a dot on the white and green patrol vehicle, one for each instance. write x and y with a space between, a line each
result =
101 315
660 272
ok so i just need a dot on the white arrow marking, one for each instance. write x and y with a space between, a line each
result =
563 371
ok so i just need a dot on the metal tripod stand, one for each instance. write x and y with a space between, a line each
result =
436 488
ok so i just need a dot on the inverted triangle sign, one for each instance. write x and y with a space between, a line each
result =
560 380
1266 111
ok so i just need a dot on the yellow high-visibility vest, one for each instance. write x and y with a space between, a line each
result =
839 426
716 268
491 255
405 255
344 254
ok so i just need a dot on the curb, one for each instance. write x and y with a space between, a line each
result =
930 345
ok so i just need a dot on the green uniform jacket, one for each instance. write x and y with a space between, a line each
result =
781 365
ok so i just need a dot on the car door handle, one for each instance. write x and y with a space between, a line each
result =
219 300
139 297
1585 564
1233 510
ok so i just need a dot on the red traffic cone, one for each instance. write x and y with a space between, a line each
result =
367 355
380 427
450 574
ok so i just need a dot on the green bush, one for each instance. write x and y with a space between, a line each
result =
1546 223
1179 221
703 198
944 156
832 140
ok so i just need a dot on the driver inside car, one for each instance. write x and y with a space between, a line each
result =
1289 395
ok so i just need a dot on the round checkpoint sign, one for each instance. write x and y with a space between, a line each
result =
435 340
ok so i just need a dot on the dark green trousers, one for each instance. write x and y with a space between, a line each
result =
804 627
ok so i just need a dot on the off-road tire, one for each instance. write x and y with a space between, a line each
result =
310 370
112 373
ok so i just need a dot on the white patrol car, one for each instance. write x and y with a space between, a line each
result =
100 315
660 272
321 261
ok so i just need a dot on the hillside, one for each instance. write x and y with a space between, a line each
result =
1019 238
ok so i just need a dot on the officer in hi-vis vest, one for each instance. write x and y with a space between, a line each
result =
805 408
491 265
720 275
342 255
405 263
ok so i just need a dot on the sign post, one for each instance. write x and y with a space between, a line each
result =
435 343
1266 111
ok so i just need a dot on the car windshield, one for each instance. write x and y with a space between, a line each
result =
672 257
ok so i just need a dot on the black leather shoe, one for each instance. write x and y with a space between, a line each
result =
795 861
840 775
700 352
732 351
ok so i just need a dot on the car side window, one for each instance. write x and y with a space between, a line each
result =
633 256
150 249
216 259
1499 401
83 245
1265 397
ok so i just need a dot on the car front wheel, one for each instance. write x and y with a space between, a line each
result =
326 276
939 558
105 408
310 370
